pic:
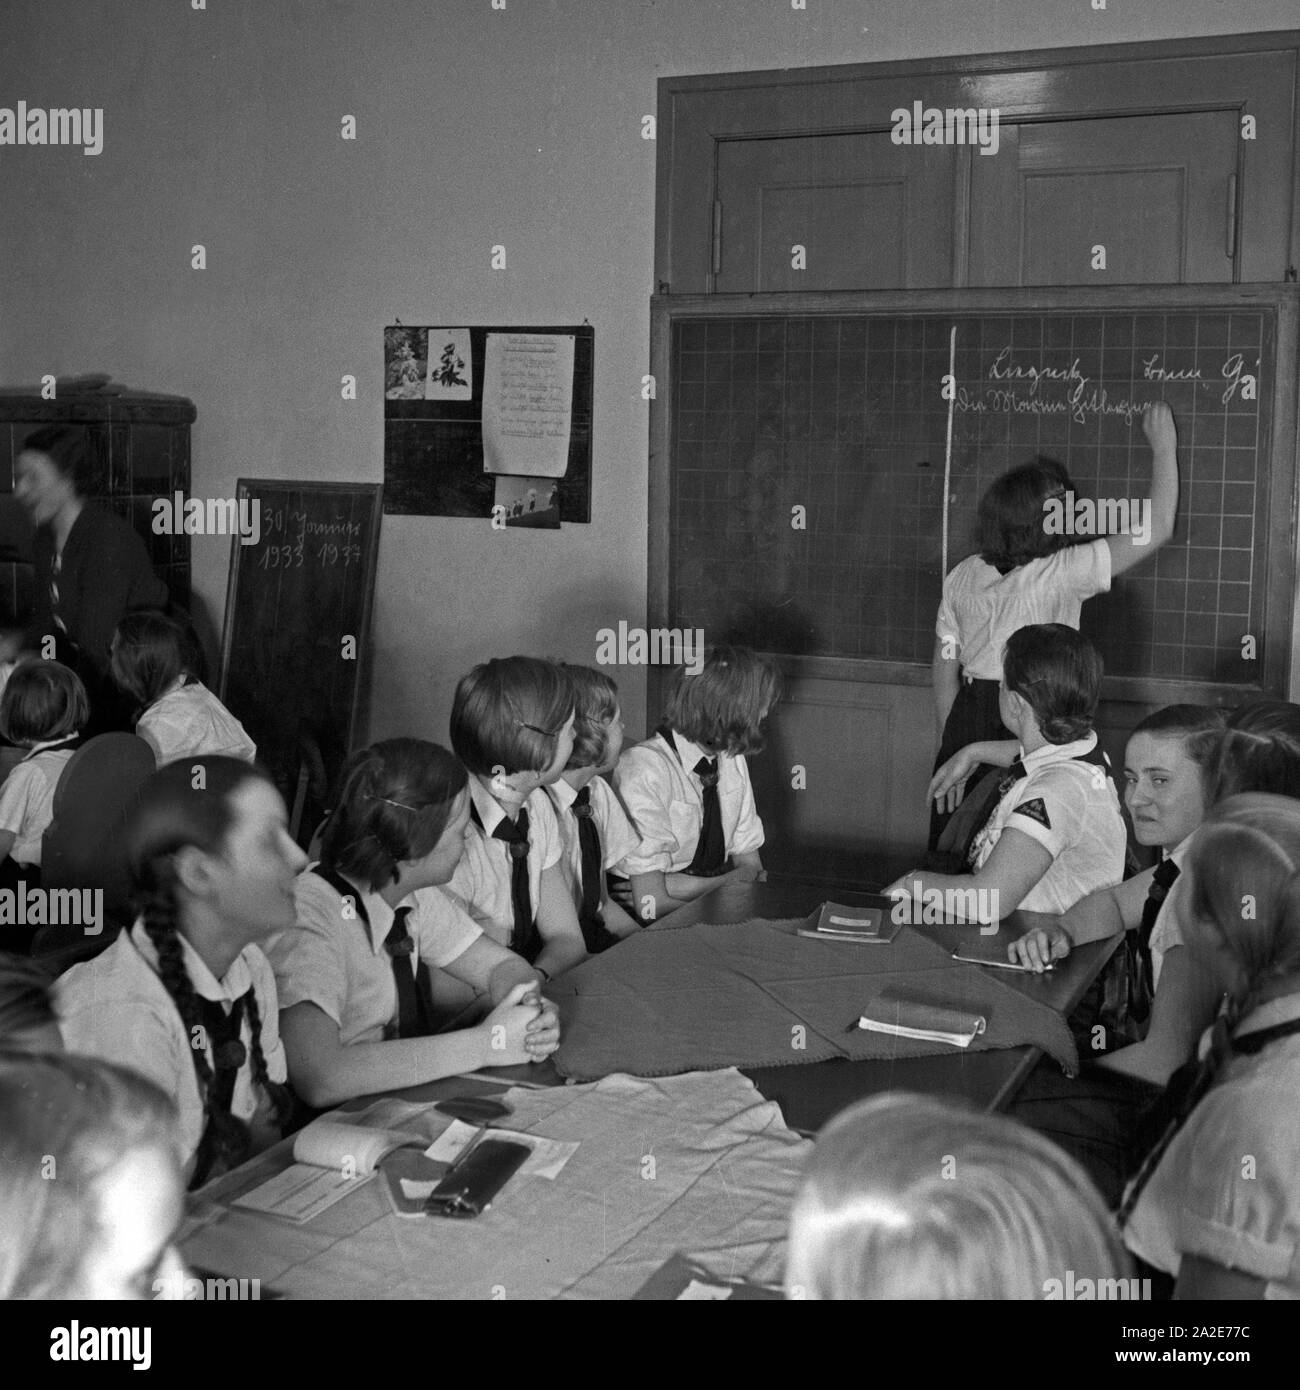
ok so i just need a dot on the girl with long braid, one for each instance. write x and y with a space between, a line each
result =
1217 1202
187 996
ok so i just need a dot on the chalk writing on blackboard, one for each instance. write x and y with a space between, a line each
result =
1082 398
527 403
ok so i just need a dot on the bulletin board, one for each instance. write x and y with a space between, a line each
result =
841 414
437 459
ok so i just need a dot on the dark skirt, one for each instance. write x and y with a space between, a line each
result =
1095 1117
973 718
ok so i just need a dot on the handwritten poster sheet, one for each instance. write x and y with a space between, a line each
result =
527 403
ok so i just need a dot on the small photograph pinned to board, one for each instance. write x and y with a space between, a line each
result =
404 364
451 369
531 502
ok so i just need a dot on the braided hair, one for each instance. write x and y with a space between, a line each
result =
172 813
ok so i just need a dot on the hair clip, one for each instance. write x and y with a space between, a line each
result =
545 733
405 806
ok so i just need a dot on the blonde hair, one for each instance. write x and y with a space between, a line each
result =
1243 890
907 1197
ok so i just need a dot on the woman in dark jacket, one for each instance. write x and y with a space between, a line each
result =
91 565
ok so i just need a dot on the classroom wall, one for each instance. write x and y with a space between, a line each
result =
477 126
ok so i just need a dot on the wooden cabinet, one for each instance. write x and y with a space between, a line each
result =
139 449
1179 158
1134 200
830 212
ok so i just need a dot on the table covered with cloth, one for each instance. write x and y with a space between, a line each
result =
756 994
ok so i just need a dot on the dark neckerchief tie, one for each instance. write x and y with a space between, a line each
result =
525 939
1141 988
228 1055
414 1002
594 931
1185 1091
711 847
414 1018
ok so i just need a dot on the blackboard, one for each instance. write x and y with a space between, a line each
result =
843 414
297 627
433 450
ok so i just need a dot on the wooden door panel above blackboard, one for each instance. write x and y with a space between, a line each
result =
840 412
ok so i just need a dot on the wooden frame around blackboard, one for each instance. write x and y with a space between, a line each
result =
1282 674
264 489
433 450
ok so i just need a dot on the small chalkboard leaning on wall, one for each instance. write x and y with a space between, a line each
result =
297 629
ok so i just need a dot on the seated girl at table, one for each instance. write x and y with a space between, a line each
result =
1025 573
1166 770
594 827
90 1181
1056 833
27 1019
186 996
512 726
372 917
1096 1116
1217 1202
687 789
908 1197
44 709
153 662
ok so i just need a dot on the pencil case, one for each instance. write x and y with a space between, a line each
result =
476 1177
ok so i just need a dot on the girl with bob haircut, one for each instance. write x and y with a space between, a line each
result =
512 725
1029 572
372 918
906 1197
1222 1227
1056 833
155 662
103 1229
213 869
43 709
687 789
594 827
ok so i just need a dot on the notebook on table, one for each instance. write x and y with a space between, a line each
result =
872 923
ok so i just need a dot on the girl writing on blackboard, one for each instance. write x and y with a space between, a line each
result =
687 789
373 921
186 996
154 662
1028 572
